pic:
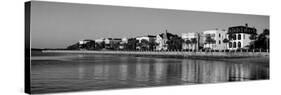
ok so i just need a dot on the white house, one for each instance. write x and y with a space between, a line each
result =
123 42
217 36
147 38
189 37
240 37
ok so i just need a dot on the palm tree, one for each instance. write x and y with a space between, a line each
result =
152 44
209 40
194 42
187 42
175 43
132 43
225 41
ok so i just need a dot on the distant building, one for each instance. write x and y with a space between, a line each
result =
161 40
123 43
187 38
112 43
213 39
140 38
99 40
86 44
149 39
240 36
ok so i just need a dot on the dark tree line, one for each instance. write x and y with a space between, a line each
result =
175 43
261 41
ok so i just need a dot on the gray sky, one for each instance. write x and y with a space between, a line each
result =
58 25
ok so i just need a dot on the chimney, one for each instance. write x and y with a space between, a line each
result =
246 24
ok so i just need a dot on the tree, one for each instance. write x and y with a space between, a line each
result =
194 42
144 44
115 45
175 43
132 43
187 42
266 34
253 37
225 41
100 45
152 44
90 45
261 41
210 40
73 47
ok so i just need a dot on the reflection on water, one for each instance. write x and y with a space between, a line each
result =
94 72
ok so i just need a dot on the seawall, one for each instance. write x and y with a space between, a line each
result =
179 54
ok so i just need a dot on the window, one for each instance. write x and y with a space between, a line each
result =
230 44
219 41
239 44
219 35
234 37
239 36
234 44
229 37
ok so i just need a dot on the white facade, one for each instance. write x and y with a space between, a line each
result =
189 36
107 41
83 42
142 38
123 42
99 40
241 40
161 43
218 36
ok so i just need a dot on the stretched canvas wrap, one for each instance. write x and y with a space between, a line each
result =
85 47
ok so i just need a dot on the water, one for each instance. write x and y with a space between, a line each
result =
77 72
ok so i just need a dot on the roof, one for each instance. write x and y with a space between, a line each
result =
248 30
167 35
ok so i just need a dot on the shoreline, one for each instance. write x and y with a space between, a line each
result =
170 54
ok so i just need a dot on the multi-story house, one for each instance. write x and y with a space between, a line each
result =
190 41
161 40
123 43
213 39
112 43
86 44
240 36
146 42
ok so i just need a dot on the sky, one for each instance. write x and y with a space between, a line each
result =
58 25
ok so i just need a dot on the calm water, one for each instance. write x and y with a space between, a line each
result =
78 72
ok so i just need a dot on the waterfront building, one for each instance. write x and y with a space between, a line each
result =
213 39
190 41
240 36
99 40
146 42
161 40
99 44
123 43
86 44
112 43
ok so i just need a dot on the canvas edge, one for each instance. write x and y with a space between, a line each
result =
27 14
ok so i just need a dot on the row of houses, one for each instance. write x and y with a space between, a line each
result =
237 37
